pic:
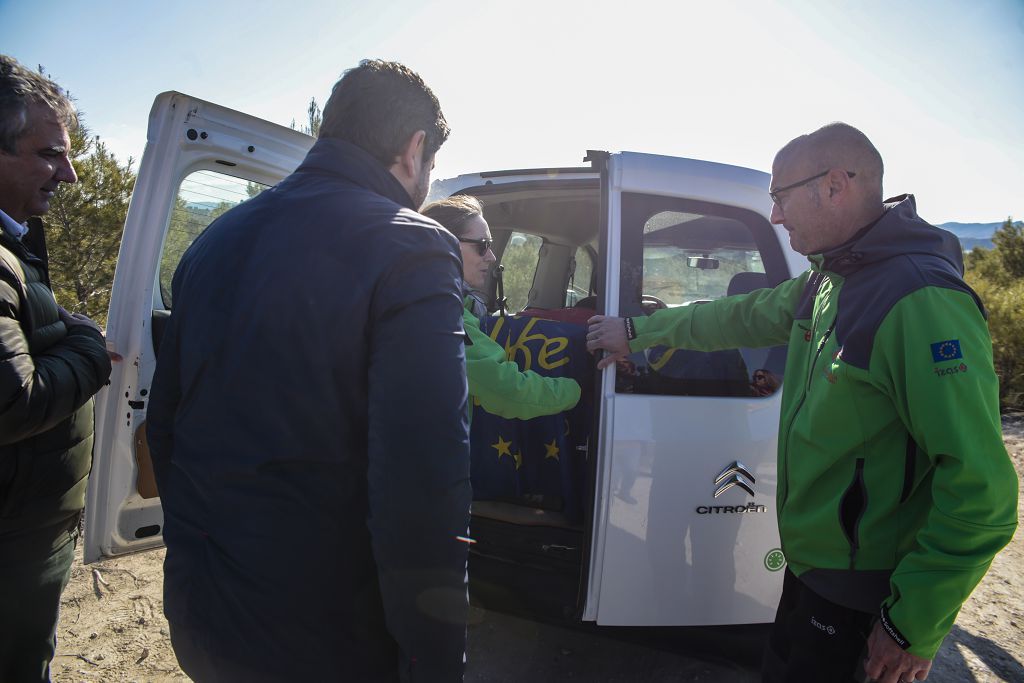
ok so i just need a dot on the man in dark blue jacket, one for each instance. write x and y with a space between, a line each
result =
308 414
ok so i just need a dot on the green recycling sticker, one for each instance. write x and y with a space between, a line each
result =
774 560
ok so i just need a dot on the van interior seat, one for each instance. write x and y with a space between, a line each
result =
743 283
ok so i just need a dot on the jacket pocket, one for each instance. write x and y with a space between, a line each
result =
851 509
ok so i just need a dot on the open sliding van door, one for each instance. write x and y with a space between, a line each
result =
200 160
684 526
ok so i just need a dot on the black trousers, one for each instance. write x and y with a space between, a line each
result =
814 639
34 570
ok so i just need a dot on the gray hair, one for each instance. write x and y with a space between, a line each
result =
21 88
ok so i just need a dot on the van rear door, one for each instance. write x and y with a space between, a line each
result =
200 160
685 528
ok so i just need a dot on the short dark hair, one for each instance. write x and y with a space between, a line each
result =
378 105
452 213
19 89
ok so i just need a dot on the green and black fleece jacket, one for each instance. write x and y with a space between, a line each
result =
895 490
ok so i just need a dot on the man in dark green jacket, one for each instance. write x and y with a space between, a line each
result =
895 489
51 364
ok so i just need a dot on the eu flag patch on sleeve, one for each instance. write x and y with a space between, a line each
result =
946 350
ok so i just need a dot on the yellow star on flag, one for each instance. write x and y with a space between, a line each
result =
518 457
552 450
502 447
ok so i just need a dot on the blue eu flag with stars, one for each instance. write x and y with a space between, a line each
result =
539 462
946 350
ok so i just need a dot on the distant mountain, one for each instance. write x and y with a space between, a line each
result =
976 230
974 234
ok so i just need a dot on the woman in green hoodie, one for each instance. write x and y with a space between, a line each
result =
496 382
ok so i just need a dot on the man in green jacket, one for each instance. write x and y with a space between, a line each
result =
51 364
895 489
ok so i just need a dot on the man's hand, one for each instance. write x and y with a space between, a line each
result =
73 319
607 334
887 662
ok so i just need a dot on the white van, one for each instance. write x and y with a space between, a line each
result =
675 478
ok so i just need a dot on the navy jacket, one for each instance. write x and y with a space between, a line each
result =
308 432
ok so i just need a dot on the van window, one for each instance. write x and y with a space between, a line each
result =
202 197
679 252
582 277
679 270
520 260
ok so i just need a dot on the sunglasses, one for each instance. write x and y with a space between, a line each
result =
482 245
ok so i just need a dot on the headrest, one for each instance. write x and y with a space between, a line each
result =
741 283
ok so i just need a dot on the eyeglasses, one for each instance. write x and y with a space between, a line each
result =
774 194
482 245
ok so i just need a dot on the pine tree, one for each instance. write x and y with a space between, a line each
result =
1009 245
84 226
314 117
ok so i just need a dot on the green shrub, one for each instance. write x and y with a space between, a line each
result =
1005 304
997 275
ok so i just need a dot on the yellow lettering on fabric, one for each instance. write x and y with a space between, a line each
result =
553 347
550 346
665 357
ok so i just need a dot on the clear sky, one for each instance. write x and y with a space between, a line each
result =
938 85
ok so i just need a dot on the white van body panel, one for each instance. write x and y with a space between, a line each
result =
446 187
185 134
655 560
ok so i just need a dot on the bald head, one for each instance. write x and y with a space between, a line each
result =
840 146
826 186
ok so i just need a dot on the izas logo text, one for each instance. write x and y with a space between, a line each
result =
954 370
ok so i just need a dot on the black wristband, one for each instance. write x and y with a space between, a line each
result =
630 329
891 629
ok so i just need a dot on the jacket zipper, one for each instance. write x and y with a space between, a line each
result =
851 509
908 468
803 399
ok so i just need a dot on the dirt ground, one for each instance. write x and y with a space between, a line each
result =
112 626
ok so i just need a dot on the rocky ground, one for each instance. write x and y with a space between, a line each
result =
112 626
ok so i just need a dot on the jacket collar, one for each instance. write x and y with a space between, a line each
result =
354 164
899 231
12 227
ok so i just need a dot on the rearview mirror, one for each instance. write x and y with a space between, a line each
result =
704 262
